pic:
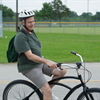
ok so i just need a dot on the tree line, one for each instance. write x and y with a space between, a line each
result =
53 11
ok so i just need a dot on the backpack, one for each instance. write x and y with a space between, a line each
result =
12 55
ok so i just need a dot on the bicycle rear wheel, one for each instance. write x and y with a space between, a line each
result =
93 94
19 89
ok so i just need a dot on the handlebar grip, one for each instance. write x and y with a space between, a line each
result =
73 52
59 65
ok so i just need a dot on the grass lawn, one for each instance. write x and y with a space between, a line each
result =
57 46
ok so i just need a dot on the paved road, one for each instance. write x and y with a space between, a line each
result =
8 73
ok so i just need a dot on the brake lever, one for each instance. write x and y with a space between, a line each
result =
59 65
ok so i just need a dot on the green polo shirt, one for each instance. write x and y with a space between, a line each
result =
22 44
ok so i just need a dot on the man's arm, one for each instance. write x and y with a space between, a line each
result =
38 59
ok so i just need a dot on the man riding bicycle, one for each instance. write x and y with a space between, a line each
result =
31 63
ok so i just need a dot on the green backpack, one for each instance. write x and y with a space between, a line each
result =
12 55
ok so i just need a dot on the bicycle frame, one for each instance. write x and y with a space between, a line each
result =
53 82
82 84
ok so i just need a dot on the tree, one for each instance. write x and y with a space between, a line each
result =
7 12
86 16
98 16
37 15
73 14
59 10
46 11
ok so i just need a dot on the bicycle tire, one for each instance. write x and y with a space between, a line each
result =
19 89
93 94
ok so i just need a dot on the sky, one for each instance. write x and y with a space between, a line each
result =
79 6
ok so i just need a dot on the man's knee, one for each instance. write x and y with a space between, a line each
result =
63 72
59 73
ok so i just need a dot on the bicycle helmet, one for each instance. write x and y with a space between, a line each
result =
25 14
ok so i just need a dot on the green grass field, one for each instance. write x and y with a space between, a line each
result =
57 46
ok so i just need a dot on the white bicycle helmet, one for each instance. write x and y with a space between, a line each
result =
25 14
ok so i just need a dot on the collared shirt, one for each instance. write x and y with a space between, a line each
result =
22 45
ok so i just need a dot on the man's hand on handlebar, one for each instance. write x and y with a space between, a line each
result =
51 64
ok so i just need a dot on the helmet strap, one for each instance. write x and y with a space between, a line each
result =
26 27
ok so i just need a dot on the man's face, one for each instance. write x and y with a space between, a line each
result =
30 23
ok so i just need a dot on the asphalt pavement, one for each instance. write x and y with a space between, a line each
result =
8 73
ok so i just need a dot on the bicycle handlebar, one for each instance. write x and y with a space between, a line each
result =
77 55
74 67
73 52
77 67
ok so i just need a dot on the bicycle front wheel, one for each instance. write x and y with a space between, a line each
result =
93 94
19 89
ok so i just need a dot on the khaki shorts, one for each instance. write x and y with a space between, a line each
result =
36 74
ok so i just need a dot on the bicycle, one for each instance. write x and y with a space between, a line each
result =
25 90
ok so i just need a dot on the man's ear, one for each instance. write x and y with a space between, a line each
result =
22 22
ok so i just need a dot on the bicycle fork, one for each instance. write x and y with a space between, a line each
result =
84 87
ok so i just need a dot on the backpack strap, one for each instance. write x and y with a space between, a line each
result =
19 55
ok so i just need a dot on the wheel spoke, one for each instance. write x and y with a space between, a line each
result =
19 90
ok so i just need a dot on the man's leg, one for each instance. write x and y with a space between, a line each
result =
46 92
58 73
37 77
